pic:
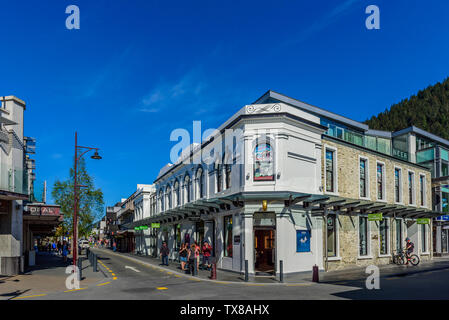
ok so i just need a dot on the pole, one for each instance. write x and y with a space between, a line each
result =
75 204
281 271
246 270
325 237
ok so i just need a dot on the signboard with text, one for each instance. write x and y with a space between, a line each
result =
423 221
375 217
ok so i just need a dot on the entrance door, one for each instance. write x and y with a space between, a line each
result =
264 250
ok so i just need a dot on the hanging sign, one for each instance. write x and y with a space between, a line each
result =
143 227
375 217
155 225
423 221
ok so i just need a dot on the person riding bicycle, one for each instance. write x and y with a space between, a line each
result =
409 246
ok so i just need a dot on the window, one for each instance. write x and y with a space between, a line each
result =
227 236
363 178
411 188
380 182
423 238
444 169
331 236
168 195
228 176
330 184
397 185
363 236
188 187
200 182
398 235
219 170
263 163
178 198
161 200
383 236
422 192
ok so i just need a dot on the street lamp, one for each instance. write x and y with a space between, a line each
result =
96 156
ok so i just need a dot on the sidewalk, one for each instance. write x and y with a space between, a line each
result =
47 276
353 274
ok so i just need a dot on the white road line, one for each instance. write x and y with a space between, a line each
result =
132 268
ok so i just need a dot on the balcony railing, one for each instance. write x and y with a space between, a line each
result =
13 179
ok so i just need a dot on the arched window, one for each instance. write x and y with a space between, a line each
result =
177 195
200 182
161 200
168 197
263 163
219 174
188 187
228 175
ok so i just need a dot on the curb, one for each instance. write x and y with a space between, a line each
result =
202 279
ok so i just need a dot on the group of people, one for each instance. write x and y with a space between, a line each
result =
61 248
189 255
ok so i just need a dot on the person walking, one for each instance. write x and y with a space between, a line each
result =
192 259
165 251
183 256
53 247
64 251
207 250
197 256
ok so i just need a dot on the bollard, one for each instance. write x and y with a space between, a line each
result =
315 277
213 272
80 268
281 271
246 270
94 265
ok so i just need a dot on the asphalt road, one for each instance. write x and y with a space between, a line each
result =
134 281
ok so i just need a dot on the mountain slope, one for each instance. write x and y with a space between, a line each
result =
428 110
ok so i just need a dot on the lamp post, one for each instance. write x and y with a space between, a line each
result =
96 156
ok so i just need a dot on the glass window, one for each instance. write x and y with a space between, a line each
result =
411 187
188 187
445 201
331 236
398 235
380 181
423 238
444 169
200 181
383 234
263 163
421 189
178 198
330 171
444 154
228 236
219 170
168 195
228 176
363 178
425 155
363 236
397 185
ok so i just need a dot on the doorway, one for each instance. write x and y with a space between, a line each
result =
264 247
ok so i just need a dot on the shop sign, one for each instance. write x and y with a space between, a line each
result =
442 218
375 217
137 228
143 227
423 221
155 225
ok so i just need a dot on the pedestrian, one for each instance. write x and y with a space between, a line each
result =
192 259
114 246
183 256
165 251
207 250
64 251
197 255
59 247
53 247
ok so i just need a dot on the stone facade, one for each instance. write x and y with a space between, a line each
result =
348 186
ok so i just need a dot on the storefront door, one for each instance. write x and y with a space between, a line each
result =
264 246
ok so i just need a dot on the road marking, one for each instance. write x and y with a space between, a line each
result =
194 279
221 282
36 295
113 273
115 278
132 268
168 272
161 288
178 276
102 284
255 284
75 290
298 285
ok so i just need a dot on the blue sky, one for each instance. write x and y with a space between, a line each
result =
136 70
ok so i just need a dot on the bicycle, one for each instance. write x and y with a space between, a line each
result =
401 258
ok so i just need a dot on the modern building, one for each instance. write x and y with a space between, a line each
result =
285 181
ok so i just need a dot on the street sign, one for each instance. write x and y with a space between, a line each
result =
136 228
143 227
155 225
423 221
375 217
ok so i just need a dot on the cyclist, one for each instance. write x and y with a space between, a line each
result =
409 246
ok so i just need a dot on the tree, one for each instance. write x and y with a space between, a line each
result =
90 201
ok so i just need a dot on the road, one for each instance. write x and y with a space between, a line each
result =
134 281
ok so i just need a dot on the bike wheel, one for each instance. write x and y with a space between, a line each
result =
400 261
414 259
